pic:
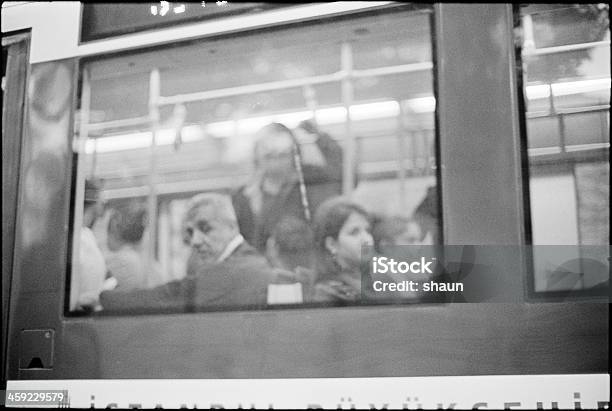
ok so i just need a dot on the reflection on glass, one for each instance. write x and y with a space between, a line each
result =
279 122
566 56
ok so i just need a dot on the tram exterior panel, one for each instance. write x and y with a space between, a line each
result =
481 172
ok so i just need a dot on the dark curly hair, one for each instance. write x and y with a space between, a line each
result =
128 222
328 221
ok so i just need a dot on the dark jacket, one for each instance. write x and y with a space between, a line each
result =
239 281
322 182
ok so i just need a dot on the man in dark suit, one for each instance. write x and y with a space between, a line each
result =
285 185
224 271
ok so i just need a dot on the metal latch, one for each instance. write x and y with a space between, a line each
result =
36 349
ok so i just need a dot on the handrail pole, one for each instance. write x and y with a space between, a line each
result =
348 171
154 91
79 190
401 149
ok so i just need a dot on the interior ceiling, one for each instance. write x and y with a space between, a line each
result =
120 85
406 28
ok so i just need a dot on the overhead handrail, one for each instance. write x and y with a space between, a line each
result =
291 83
564 48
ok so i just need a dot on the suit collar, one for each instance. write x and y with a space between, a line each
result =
230 248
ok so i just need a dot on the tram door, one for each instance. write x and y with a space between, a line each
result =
14 72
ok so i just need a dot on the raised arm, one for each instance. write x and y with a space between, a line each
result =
170 296
331 152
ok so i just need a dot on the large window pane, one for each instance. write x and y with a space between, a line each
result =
204 103
566 57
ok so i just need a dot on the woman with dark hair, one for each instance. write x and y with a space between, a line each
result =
126 258
341 229
393 231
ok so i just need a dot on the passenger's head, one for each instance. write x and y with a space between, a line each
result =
427 214
291 244
126 225
92 202
210 224
398 230
341 228
274 150
308 126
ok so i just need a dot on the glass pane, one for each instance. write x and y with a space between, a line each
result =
564 24
566 56
208 106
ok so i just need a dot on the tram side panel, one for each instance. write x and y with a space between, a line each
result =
372 341
15 70
41 243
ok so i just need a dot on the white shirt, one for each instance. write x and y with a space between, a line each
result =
130 269
92 268
231 247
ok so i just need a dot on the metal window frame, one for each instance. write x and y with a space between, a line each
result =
567 157
12 154
344 76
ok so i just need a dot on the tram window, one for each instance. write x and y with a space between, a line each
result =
566 62
160 127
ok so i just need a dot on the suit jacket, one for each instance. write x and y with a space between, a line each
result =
239 281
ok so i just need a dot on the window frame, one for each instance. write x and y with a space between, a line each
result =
77 190
560 161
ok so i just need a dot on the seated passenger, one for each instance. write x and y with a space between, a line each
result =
234 275
92 277
390 234
397 230
290 249
427 215
341 228
125 259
